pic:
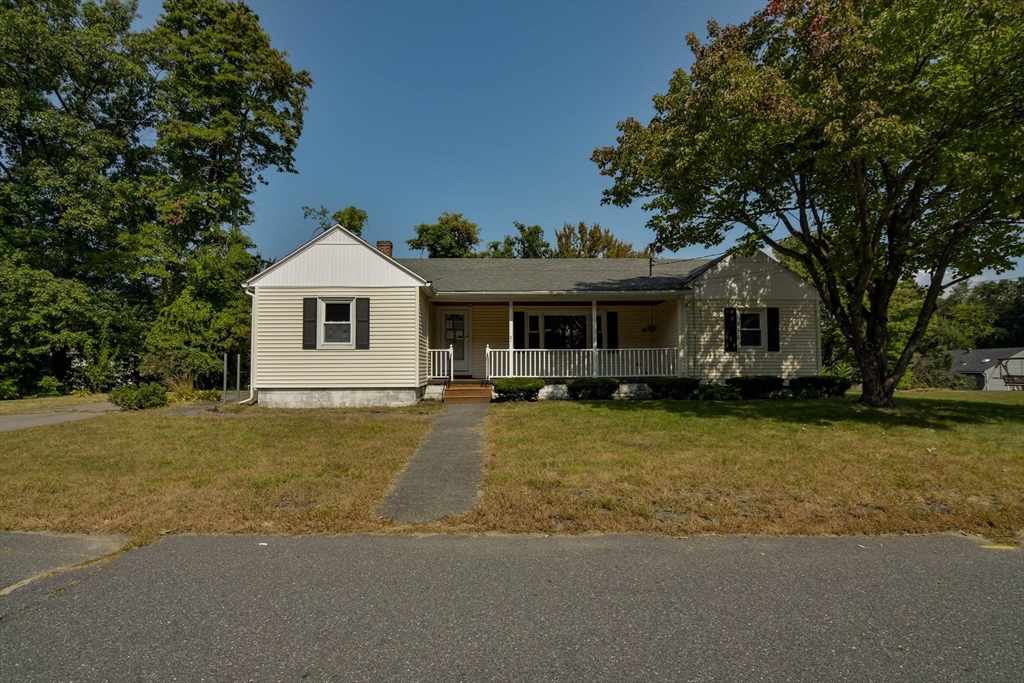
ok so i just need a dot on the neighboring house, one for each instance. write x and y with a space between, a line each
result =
340 323
989 367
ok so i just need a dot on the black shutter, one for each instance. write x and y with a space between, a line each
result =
309 306
362 323
730 329
519 330
773 329
612 318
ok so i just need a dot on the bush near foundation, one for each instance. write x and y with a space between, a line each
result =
672 387
152 395
755 386
716 392
518 388
592 388
833 387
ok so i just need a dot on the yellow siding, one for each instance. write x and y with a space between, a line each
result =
798 342
633 319
390 362
666 324
490 326
427 325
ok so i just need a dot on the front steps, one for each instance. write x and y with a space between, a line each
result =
468 392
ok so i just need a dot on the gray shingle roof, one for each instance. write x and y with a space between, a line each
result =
557 275
974 361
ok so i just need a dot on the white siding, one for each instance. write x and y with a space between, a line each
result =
427 323
336 259
390 362
752 278
798 341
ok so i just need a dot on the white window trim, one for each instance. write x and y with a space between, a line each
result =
321 319
763 316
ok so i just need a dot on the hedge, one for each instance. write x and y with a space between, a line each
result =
755 386
592 388
672 387
830 386
152 395
518 388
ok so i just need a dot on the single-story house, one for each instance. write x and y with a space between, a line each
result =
991 368
340 323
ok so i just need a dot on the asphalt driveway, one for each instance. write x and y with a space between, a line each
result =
614 608
54 416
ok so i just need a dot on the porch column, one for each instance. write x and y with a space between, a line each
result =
593 337
511 326
681 337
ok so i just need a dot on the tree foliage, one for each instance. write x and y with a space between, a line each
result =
128 159
351 218
451 237
529 243
581 241
884 139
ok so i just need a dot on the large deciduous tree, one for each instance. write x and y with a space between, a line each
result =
451 237
883 138
351 218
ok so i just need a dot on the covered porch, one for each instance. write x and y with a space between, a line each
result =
552 338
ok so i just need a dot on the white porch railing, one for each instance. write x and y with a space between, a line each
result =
581 362
442 364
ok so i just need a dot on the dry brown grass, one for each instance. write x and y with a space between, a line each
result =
940 461
252 470
30 405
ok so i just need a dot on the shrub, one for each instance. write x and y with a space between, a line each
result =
716 392
672 387
9 390
152 395
806 387
592 388
755 386
518 388
49 386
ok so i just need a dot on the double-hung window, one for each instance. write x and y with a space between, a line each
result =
751 329
337 327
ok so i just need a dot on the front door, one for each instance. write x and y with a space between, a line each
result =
455 332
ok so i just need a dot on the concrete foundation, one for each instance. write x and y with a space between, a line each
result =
560 392
433 392
339 398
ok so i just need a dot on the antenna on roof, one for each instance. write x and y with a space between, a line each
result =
650 266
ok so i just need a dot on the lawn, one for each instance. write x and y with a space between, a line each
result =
32 405
939 461
254 470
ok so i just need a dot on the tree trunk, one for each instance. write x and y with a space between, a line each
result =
876 393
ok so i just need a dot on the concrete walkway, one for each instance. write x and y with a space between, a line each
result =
54 416
443 478
24 556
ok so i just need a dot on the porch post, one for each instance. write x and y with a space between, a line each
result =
680 337
593 337
511 324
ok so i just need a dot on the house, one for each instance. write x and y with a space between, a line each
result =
992 369
340 323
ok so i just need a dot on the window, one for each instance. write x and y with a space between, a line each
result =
751 329
337 328
533 333
565 331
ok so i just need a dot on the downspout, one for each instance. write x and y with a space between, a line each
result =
252 346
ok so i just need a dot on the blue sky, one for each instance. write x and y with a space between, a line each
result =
488 109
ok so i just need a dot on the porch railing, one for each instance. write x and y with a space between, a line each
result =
569 363
442 364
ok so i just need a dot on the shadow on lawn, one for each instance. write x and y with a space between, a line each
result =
910 411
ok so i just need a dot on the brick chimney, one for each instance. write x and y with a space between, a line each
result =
385 248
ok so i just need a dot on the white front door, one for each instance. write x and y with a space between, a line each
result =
455 332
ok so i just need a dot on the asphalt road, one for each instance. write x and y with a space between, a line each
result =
610 608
